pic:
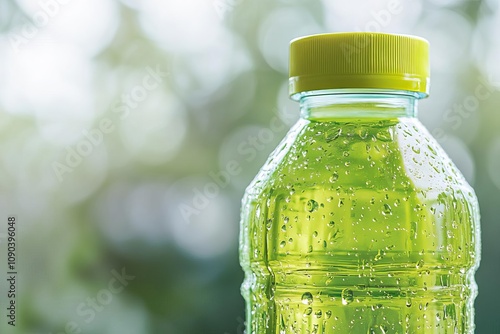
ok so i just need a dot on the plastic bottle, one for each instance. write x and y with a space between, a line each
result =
359 222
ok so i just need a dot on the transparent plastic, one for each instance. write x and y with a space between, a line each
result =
359 223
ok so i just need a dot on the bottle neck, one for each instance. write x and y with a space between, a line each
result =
348 104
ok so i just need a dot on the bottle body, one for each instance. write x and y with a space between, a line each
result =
359 223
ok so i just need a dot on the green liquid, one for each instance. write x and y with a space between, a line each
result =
359 226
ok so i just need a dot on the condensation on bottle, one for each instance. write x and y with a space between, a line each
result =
359 222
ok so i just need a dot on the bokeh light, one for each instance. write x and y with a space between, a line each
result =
150 190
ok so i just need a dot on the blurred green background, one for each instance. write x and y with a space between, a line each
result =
121 122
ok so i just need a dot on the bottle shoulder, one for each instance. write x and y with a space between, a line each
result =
363 154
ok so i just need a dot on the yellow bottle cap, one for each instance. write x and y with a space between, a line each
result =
359 60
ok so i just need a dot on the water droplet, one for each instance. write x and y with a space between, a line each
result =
387 210
307 298
318 314
408 302
432 149
282 244
413 230
347 296
312 205
315 234
378 256
362 133
333 238
385 135
308 311
420 264
283 228
328 314
333 136
334 177
378 330
269 224
282 325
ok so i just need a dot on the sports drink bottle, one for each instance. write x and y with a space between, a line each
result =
359 222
